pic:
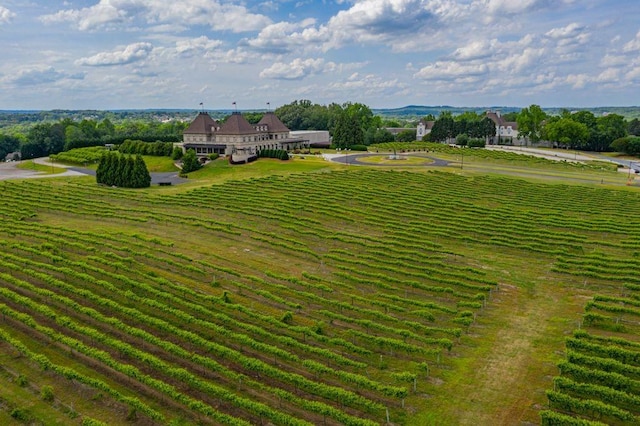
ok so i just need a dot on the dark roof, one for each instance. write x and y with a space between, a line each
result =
236 124
427 124
202 124
500 121
273 123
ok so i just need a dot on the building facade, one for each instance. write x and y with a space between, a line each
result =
237 136
423 129
506 131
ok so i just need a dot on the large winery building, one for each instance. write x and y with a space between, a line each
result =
237 136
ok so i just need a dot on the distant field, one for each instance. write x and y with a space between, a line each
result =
306 292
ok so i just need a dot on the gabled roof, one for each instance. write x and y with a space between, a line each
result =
202 124
273 123
500 121
427 124
236 124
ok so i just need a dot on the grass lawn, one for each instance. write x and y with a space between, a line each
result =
219 171
157 164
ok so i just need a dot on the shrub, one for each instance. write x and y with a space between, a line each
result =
476 143
190 162
21 380
21 414
359 148
177 153
287 318
46 393
462 139
273 153
214 156
158 148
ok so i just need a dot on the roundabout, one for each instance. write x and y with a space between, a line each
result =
387 159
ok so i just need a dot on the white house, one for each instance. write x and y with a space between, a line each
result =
423 129
506 131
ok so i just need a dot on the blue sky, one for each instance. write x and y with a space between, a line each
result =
108 54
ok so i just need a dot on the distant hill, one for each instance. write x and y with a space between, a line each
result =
419 111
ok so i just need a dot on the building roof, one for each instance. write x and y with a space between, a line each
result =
236 124
273 123
202 124
500 121
427 124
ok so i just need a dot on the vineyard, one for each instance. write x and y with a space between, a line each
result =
346 297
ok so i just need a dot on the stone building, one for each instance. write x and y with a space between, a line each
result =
237 136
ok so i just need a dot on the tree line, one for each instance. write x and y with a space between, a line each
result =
47 138
349 123
575 130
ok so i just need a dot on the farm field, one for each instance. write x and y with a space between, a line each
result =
320 294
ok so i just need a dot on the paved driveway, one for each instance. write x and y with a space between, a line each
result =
11 171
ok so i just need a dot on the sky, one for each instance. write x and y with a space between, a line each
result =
133 54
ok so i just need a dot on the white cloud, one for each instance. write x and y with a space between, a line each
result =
39 75
578 81
572 34
194 46
131 53
510 7
633 45
112 14
6 15
296 70
477 49
451 70
283 37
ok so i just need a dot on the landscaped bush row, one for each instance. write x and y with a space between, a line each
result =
280 154
161 149
123 171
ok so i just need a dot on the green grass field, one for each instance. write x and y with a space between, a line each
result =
308 292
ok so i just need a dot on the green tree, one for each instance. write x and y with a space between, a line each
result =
444 128
190 162
106 129
608 128
142 178
530 123
8 144
408 135
633 127
347 132
45 138
568 133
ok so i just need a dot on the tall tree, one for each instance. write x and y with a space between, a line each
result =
568 133
530 122
348 132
